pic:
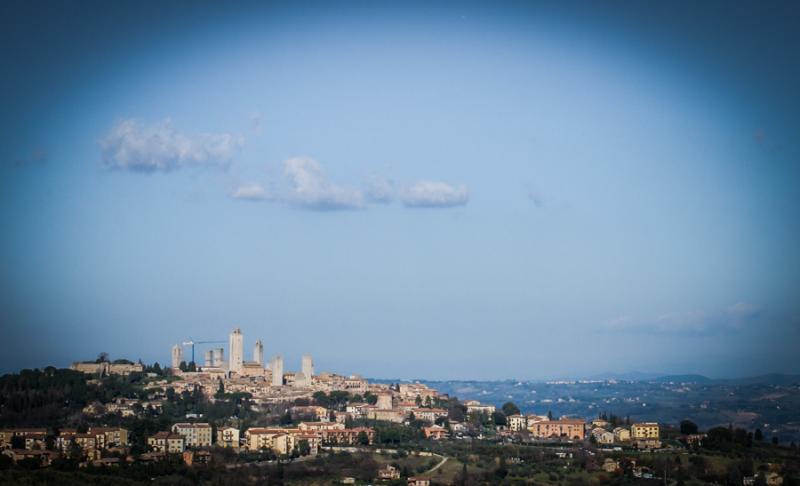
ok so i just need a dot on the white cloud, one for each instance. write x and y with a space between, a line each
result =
131 145
307 186
737 316
250 192
310 188
433 194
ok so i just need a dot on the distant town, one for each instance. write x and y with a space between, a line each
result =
122 419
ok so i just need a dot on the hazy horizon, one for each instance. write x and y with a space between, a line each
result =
417 190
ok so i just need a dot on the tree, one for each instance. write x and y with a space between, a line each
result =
688 427
463 477
321 399
363 438
183 366
192 367
759 436
774 440
510 408
549 415
17 442
304 448
734 475
102 357
220 388
499 418
456 411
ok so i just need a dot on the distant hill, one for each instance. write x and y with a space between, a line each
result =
768 379
683 379
628 376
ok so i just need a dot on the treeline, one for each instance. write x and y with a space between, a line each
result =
41 397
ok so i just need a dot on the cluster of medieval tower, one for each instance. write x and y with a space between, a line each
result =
215 361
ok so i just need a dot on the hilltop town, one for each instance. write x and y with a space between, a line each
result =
130 421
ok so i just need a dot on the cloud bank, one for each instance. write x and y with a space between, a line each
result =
697 322
433 194
308 187
132 145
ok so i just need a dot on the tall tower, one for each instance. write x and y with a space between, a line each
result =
307 367
219 357
177 356
258 353
277 370
236 345
209 358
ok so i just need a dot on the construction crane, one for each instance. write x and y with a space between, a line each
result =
192 342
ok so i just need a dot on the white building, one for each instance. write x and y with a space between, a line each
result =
277 370
258 353
177 356
196 435
307 367
517 422
236 345
218 358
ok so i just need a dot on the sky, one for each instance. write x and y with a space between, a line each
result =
439 190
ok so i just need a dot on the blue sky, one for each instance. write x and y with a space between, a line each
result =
437 190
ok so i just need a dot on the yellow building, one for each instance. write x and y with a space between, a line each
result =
645 430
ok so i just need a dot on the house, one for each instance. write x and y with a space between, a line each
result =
602 436
394 415
457 427
196 457
27 438
228 437
109 436
621 434
167 442
435 432
388 472
278 440
563 428
773 479
645 430
306 426
107 462
150 457
196 434
65 439
610 465
43 457
517 422
474 406
348 436
418 481
647 443
429 414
